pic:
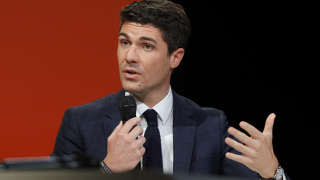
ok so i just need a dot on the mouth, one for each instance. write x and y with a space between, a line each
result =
130 73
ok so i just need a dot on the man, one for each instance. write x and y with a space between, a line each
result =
152 39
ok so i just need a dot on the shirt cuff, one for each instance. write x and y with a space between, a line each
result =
284 177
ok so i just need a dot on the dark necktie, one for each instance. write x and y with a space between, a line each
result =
152 159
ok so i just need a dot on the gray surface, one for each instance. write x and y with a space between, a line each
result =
96 174
80 174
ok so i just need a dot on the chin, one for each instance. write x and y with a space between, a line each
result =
132 87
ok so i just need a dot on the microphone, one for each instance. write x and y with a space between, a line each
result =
127 108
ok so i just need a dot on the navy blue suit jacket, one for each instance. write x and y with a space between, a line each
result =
198 135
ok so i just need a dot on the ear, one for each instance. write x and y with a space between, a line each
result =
176 57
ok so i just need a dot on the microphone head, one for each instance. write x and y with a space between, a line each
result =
127 108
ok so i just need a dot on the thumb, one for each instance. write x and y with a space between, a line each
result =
268 128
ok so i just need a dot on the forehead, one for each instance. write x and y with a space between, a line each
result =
136 30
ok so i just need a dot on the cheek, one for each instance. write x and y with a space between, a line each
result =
120 55
157 71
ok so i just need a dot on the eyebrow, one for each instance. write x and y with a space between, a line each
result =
123 34
143 38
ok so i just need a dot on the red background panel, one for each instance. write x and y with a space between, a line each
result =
53 55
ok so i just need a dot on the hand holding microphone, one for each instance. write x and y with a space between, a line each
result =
125 150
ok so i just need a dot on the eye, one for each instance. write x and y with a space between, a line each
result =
124 42
148 46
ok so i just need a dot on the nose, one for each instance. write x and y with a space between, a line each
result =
132 55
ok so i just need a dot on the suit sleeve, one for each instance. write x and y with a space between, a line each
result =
230 167
68 140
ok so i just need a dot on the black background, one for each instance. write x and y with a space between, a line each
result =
250 60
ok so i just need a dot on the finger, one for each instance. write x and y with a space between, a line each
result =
238 146
268 128
238 158
139 154
139 142
242 137
254 132
142 151
127 127
115 131
135 132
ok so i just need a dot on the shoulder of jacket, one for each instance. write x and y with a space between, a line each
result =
96 105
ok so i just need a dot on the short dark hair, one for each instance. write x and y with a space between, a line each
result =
168 16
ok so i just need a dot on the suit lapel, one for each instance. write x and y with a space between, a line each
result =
112 114
184 127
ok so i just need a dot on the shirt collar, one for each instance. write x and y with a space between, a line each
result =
163 107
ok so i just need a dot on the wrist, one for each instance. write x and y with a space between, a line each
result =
112 165
270 173
278 175
105 168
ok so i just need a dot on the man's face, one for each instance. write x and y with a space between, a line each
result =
144 63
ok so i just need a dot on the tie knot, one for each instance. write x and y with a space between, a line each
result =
151 117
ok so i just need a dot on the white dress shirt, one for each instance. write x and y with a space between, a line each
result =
165 126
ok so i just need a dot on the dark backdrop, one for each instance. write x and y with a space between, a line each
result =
250 60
